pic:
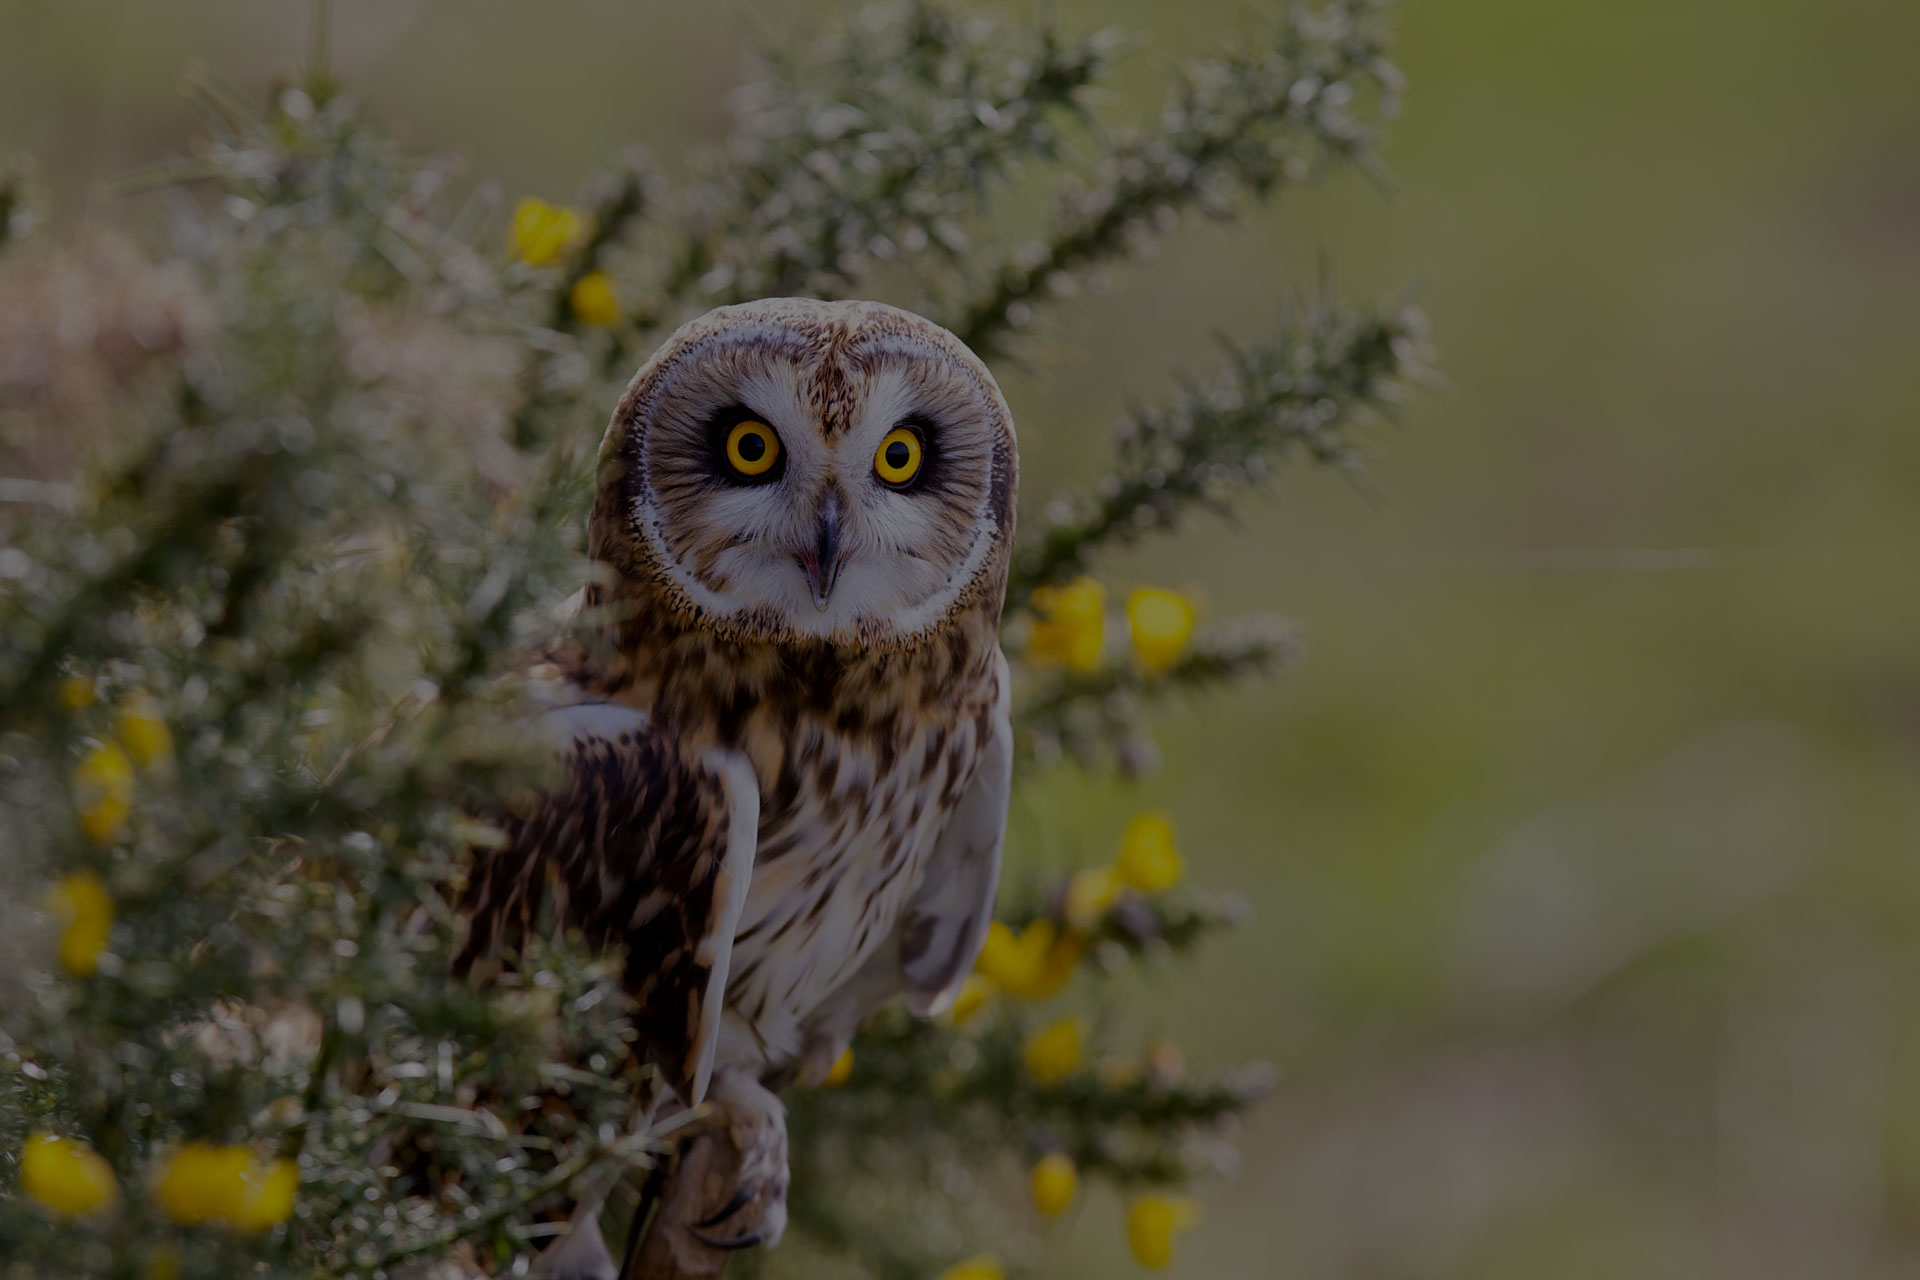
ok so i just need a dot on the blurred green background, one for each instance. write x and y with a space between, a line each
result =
1584 847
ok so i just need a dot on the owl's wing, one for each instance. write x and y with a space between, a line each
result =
643 846
946 920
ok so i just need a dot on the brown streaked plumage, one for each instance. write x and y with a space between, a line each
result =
788 738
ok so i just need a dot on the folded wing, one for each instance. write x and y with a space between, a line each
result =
946 921
641 846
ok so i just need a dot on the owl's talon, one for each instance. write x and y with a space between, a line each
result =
731 1207
732 1175
743 1242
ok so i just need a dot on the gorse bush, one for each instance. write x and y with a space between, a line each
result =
291 487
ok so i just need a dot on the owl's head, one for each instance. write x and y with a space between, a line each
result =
790 470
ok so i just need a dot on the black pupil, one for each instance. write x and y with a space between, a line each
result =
897 455
752 446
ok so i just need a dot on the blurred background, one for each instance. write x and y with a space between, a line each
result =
1583 849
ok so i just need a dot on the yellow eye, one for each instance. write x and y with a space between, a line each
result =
897 460
752 448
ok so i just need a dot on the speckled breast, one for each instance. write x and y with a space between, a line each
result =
845 834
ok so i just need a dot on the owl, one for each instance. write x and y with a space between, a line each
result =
786 731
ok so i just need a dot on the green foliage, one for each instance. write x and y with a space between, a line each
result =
1298 393
876 144
1270 113
315 533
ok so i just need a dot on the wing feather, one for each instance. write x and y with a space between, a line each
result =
946 922
644 847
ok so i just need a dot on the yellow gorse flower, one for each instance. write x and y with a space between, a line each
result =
1007 958
1056 966
1091 893
84 908
143 732
1071 626
103 791
1160 623
202 1182
542 231
268 1199
984 1267
1032 964
76 691
1056 1050
1148 860
66 1176
842 1068
1152 1223
975 997
593 300
1055 1183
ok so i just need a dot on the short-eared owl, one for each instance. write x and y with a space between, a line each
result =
790 747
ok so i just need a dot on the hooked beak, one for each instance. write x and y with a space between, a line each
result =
822 561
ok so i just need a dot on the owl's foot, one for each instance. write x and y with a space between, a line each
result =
730 1190
741 1167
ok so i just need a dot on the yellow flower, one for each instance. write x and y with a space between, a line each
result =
842 1068
593 299
976 995
144 733
542 231
984 1267
66 1176
1055 1183
1148 861
103 791
1054 1052
1071 627
1033 964
1152 1223
1161 622
76 691
84 908
1061 959
1091 893
201 1182
268 1198
1010 960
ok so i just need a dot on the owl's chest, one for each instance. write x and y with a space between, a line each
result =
847 828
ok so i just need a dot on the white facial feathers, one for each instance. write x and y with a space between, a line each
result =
821 543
